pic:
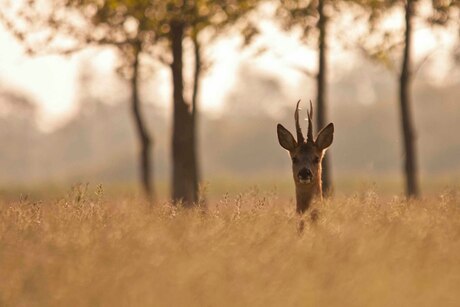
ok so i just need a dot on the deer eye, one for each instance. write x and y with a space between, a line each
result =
294 160
316 160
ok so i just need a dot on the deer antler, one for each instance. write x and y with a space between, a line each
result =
300 138
310 124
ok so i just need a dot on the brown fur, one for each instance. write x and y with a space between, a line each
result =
306 159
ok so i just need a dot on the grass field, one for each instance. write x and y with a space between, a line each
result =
87 249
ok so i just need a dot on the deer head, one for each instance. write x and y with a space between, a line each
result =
306 156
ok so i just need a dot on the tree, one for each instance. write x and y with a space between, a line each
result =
443 13
142 131
405 102
188 20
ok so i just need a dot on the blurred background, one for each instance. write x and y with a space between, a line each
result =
93 91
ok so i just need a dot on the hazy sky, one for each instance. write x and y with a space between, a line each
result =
51 80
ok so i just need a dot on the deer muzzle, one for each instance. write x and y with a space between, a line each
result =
305 175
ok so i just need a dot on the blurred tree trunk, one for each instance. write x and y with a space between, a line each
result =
196 76
321 83
145 166
410 163
184 181
196 88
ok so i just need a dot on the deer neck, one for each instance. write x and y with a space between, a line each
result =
306 193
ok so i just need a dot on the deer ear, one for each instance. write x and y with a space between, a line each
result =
325 137
285 138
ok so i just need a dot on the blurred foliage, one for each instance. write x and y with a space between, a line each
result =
66 26
294 13
380 43
304 15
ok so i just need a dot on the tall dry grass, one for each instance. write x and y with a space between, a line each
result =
86 250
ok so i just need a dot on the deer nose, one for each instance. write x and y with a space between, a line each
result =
305 174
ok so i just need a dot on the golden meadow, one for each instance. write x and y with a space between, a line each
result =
87 249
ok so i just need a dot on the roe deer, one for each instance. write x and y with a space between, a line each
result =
306 158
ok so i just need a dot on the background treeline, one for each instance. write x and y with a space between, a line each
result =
99 143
